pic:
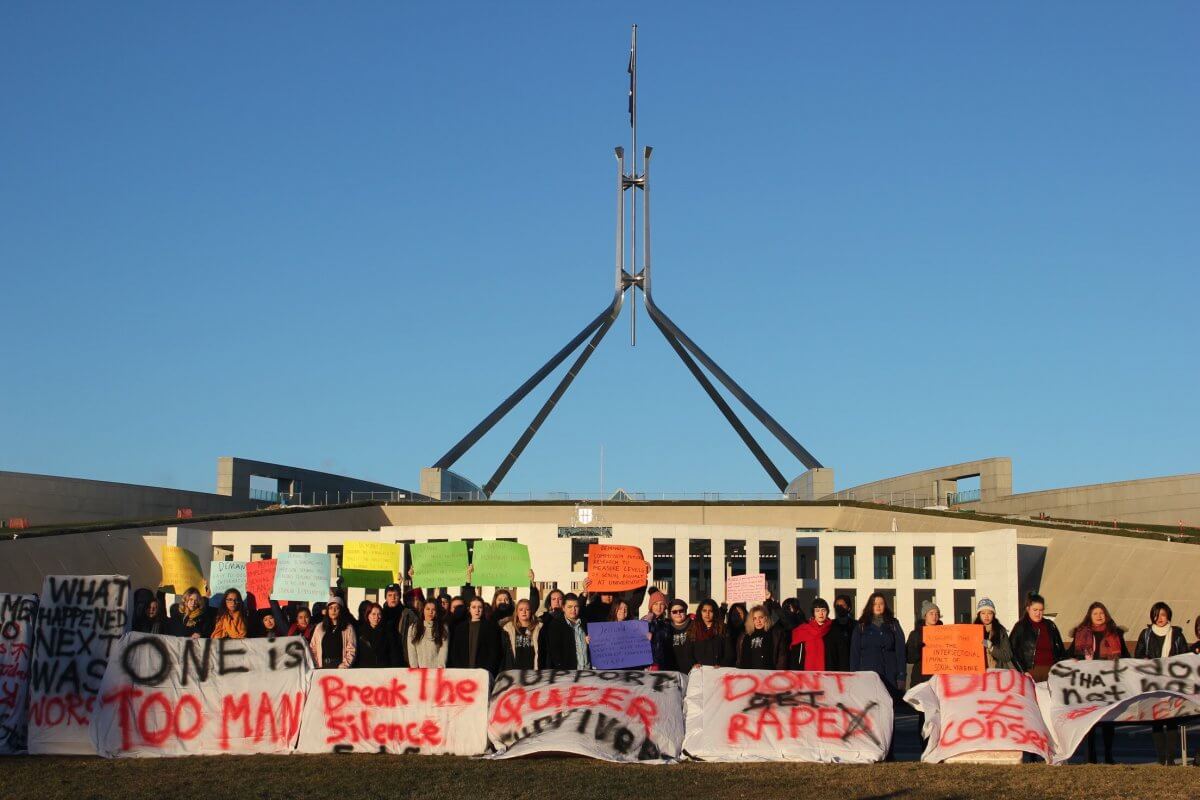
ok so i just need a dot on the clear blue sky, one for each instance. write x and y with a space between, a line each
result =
336 236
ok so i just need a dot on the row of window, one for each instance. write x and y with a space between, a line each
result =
885 563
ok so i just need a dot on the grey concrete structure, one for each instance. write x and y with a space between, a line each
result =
811 485
933 487
301 485
444 484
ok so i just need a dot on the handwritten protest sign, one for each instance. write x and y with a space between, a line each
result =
1079 694
952 649
180 570
627 715
79 620
618 645
439 564
260 581
302 576
426 711
17 613
748 589
500 564
760 715
969 717
615 567
223 575
370 565
169 696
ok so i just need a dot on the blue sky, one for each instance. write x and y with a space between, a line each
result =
336 236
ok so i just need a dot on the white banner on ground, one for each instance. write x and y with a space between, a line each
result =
17 613
80 618
427 711
169 696
993 711
618 715
760 715
1080 694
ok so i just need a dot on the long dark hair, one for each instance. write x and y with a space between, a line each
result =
439 629
718 625
1110 626
223 611
868 612
997 628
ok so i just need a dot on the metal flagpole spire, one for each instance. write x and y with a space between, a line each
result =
632 279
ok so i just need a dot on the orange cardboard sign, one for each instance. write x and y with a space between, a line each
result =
615 567
952 649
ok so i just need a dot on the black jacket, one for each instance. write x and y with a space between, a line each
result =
913 654
376 648
713 652
1023 638
763 649
204 626
557 648
681 646
660 645
1149 645
488 652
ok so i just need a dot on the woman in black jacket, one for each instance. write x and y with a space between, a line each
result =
378 644
520 635
475 642
914 647
708 639
192 618
1161 639
763 646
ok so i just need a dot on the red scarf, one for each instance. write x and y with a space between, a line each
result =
812 636
1100 642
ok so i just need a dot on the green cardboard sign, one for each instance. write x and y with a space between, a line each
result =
437 564
500 564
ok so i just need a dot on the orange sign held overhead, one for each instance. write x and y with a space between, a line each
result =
952 649
615 568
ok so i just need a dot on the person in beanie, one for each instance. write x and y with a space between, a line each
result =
813 649
333 639
1161 639
997 650
930 615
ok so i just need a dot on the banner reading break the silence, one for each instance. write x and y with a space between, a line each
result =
1080 694
629 715
971 714
761 715
17 613
79 620
426 711
170 696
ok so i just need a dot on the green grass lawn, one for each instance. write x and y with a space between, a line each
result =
344 777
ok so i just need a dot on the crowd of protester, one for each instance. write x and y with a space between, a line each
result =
412 629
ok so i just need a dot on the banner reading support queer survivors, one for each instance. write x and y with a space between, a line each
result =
628 715
169 696
426 711
79 620
990 712
1079 694
761 715
17 613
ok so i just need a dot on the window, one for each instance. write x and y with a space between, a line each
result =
768 565
920 598
664 564
299 548
964 561
260 552
964 605
335 565
843 563
579 552
699 569
735 557
806 559
885 563
923 563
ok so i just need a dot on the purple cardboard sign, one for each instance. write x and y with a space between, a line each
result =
619 645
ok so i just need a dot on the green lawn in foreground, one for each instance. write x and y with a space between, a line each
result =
345 777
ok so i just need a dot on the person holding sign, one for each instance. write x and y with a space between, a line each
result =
333 639
930 615
762 647
1098 637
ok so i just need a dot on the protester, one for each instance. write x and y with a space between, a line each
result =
444 601
333 639
736 621
838 643
813 648
877 644
377 645
302 625
192 618
656 606
658 623
554 604
231 617
930 615
1161 639
763 645
265 625
1098 637
520 635
708 638
150 617
619 612
427 642
1036 643
681 643
599 606
566 643
997 650
790 614
475 642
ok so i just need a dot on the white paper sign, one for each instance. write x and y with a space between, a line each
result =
17 614
625 715
993 711
79 621
762 715
426 711
170 696
748 589
1080 694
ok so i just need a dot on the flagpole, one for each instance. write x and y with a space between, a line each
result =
633 267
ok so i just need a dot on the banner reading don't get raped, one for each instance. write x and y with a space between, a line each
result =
761 715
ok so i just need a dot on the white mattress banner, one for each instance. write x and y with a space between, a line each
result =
17 614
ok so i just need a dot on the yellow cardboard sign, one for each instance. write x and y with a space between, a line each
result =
371 565
180 570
